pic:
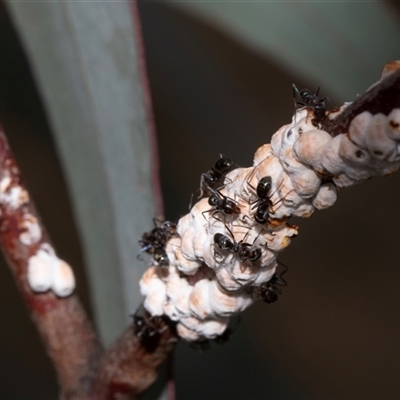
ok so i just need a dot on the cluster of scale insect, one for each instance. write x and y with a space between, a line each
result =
222 256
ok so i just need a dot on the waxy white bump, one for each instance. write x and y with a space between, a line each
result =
12 196
46 271
358 128
152 286
377 141
39 274
326 196
63 282
393 124
31 230
308 148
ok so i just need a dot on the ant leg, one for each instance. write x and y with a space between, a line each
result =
159 221
224 184
286 268
250 177
207 211
278 277
265 228
330 101
140 309
220 220
281 199
191 202
297 97
230 232
217 255
244 218
139 257
203 180
143 249
259 233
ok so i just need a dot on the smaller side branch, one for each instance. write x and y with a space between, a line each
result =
62 323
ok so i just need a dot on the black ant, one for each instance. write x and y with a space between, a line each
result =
157 237
245 251
222 204
213 179
263 203
161 257
304 99
149 328
153 242
268 291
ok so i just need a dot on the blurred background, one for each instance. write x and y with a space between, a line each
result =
220 75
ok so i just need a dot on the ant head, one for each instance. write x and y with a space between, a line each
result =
296 92
305 94
168 225
213 200
224 164
270 295
222 241
138 321
256 254
319 109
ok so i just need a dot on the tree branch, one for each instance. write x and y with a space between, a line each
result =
62 323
